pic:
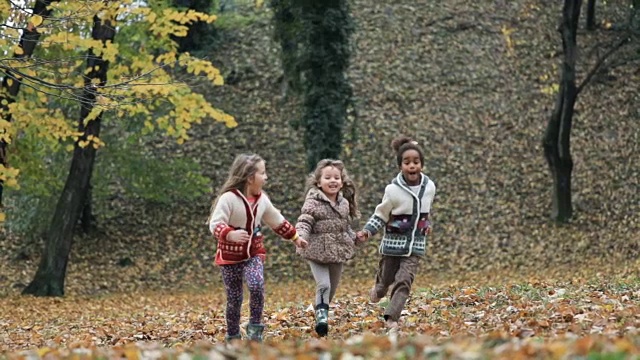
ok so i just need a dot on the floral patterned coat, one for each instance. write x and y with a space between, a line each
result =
327 228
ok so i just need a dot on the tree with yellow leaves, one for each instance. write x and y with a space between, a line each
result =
78 59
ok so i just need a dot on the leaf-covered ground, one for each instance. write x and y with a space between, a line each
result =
554 315
470 81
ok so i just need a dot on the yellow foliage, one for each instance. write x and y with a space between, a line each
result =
506 33
5 8
36 20
9 176
551 89
137 84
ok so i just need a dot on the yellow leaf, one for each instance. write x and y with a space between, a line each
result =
18 50
36 20
131 353
259 3
43 351
3 217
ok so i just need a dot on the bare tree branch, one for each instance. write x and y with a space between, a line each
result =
600 63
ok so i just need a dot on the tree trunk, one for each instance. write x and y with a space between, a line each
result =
201 34
49 278
287 29
557 138
327 93
591 15
634 18
87 220
9 91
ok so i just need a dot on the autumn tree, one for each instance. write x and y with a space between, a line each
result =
145 83
10 82
556 142
49 279
315 46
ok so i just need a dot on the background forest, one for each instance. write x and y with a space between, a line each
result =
475 82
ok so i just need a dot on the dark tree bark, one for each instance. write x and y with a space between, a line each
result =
87 219
50 276
201 34
288 33
10 89
557 138
327 93
591 15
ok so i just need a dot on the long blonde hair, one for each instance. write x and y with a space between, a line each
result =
244 166
349 190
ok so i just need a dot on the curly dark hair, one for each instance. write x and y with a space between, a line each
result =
403 143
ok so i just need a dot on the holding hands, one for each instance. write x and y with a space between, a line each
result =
362 236
242 236
300 242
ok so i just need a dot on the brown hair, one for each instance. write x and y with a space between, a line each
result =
349 191
244 166
404 143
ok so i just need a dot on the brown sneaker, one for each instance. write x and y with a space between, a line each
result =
373 296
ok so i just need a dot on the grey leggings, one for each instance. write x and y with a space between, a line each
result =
327 279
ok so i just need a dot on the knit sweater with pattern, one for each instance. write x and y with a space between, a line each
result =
233 211
404 215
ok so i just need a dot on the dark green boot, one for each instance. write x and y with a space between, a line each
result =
254 332
230 338
322 319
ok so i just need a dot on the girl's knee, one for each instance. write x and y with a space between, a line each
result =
322 286
256 286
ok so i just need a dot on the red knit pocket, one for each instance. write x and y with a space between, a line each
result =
232 251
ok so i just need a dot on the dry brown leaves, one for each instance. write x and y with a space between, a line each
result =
440 71
519 317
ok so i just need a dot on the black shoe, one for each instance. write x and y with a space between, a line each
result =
254 332
322 319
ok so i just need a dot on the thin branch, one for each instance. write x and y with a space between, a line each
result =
15 74
599 64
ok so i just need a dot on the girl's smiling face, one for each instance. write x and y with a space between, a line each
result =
411 167
330 182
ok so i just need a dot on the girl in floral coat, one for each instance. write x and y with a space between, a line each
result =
325 222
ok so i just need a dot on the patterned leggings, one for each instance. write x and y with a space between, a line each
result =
252 271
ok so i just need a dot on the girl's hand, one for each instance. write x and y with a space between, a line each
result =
238 236
301 243
427 230
361 237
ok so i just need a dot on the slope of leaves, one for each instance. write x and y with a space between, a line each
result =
545 315
469 79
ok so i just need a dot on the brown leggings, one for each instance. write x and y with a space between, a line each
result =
398 271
